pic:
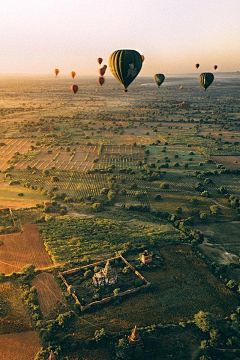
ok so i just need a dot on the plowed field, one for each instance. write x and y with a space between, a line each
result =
19 346
20 249
49 293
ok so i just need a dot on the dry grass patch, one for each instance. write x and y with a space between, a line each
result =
19 346
49 293
13 315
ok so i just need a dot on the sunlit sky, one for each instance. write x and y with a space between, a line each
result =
37 36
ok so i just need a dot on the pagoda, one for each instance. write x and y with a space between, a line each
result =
135 339
106 276
52 356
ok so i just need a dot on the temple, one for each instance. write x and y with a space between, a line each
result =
135 339
146 258
106 276
52 356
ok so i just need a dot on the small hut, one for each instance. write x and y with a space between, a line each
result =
135 339
146 258
106 276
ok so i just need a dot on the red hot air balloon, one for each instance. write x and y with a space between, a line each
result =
102 71
74 88
101 80
56 72
197 65
99 60
73 74
215 67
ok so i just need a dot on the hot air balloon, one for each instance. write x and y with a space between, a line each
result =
102 71
215 67
101 80
73 74
143 58
205 79
105 66
99 60
159 79
197 65
56 72
125 66
74 88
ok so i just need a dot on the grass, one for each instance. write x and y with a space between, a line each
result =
15 317
70 238
9 196
181 289
225 234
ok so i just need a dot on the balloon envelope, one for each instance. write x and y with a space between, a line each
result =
197 65
56 71
99 60
159 79
74 88
73 74
125 65
101 80
215 67
143 58
102 71
205 79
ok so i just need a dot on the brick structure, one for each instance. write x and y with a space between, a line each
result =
135 339
146 258
106 276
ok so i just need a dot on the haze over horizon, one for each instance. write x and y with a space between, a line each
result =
37 37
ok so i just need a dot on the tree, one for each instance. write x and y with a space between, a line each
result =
97 207
215 209
203 320
123 350
99 334
28 270
111 195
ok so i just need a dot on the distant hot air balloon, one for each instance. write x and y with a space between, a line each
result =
101 80
102 71
205 79
125 65
143 58
215 67
105 66
74 88
197 65
180 87
56 72
159 79
73 74
99 60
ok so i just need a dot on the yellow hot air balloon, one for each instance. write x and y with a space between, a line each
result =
56 72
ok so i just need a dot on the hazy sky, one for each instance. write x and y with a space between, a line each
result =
37 36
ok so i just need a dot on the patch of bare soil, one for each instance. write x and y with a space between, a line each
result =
23 248
49 293
19 346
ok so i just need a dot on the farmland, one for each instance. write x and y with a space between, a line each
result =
22 248
19 346
90 175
